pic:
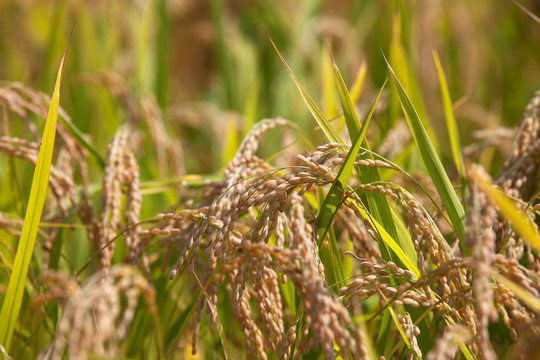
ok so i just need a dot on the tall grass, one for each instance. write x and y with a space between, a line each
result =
214 193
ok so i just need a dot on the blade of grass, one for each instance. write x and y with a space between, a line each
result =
401 63
251 106
78 134
431 160
333 198
451 125
223 56
325 125
13 300
329 253
351 118
231 142
328 89
392 244
377 204
358 83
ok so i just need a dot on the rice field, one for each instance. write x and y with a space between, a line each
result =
269 179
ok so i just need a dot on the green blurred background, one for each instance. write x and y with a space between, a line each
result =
213 72
204 59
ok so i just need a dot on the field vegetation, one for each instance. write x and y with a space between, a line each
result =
269 179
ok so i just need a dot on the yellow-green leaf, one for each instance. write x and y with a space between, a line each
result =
431 160
451 125
325 125
38 193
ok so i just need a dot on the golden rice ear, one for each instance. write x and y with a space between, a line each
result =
520 171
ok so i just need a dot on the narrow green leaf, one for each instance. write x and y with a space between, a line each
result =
38 192
358 83
351 118
325 125
431 160
78 134
223 57
333 199
378 205
402 65
392 244
328 88
330 256
451 125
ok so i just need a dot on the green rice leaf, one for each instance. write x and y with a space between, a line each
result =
330 257
13 300
333 199
392 244
328 88
325 125
358 83
401 63
451 125
78 134
351 118
431 160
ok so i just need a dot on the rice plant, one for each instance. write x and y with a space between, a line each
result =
355 181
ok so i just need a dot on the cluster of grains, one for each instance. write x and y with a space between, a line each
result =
258 205
447 345
519 176
325 317
121 176
380 279
58 287
94 321
221 240
411 332
427 239
480 238
255 229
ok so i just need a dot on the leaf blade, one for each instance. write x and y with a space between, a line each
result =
14 294
333 198
451 125
433 164
324 124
